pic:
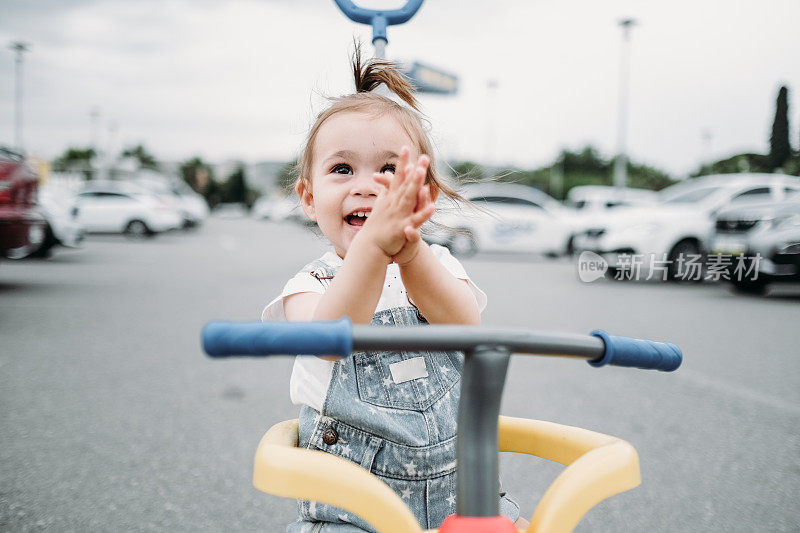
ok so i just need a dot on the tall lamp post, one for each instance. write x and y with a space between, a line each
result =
20 48
621 161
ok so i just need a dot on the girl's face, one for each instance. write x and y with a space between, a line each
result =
349 149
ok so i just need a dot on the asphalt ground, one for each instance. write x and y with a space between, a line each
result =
113 419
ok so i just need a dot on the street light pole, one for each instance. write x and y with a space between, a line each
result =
621 161
20 48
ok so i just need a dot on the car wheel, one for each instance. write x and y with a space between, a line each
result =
748 286
137 229
38 238
685 248
462 243
46 249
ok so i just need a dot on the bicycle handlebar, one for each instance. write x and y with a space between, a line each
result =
340 337
379 19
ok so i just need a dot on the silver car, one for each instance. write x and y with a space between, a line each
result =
764 239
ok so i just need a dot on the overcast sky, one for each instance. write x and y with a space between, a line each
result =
243 78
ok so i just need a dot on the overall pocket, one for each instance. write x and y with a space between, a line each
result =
406 380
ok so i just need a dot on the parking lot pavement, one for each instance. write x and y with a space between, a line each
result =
114 419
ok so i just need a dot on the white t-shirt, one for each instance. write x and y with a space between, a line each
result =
312 375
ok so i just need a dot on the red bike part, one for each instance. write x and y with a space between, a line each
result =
477 524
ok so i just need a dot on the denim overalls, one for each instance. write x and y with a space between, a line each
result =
393 413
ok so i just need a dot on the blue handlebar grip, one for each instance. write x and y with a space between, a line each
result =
639 353
223 339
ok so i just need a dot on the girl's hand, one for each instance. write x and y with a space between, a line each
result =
410 249
395 209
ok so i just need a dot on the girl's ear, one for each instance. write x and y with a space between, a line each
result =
303 191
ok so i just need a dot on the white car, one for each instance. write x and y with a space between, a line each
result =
119 207
506 217
192 206
682 224
277 208
602 197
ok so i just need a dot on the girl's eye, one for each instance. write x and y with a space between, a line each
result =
388 167
342 168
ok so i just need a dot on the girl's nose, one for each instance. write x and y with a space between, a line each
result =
365 185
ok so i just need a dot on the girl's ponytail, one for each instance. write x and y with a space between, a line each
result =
376 71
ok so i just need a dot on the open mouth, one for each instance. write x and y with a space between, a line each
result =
357 218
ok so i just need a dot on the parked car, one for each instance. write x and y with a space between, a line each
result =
507 218
764 239
120 207
192 206
601 197
278 208
682 222
589 203
60 228
22 226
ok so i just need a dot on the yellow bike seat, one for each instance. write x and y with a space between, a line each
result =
598 467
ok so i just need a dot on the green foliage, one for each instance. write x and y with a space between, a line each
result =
76 159
779 148
145 158
196 172
585 167
792 166
236 190
200 177
738 163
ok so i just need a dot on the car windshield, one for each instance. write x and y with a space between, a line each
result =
693 196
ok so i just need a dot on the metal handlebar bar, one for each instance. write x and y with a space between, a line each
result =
486 355
341 337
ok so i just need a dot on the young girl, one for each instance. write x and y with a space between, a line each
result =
367 178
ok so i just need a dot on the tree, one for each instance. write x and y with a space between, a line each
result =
585 167
235 189
76 159
140 153
736 164
196 173
200 177
779 148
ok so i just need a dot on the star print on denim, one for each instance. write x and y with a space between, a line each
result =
403 433
451 499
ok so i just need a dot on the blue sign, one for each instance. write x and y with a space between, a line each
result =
432 80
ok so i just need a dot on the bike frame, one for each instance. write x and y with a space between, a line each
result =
486 352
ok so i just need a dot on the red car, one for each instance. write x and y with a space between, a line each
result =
21 224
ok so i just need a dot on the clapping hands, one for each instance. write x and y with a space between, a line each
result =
403 205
